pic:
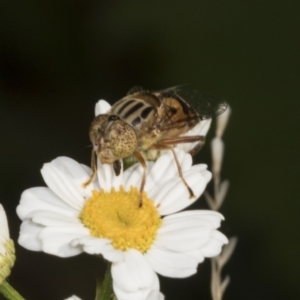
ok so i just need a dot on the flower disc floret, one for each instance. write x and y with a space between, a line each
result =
116 215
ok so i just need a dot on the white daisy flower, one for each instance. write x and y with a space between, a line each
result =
66 219
7 248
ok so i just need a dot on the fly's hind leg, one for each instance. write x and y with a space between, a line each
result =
167 144
192 195
165 147
198 147
94 169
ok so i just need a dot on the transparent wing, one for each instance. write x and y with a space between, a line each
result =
206 105
186 108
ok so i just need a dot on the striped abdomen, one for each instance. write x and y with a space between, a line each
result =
135 112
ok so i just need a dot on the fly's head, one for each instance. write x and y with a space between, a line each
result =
112 138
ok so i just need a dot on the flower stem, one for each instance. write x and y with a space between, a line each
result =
9 292
105 289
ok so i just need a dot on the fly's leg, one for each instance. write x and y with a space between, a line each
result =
94 169
167 144
142 161
198 147
166 147
117 167
181 175
184 140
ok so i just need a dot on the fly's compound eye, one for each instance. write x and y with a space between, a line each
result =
123 139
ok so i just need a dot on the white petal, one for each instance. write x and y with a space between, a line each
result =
164 185
159 173
199 167
102 107
78 173
210 215
70 167
102 246
184 240
74 297
133 176
203 127
202 168
140 295
184 159
28 237
42 198
171 264
175 196
155 295
207 175
113 255
189 230
123 295
107 178
200 129
214 246
52 219
58 241
133 277
160 177
4 232
65 177
196 254
105 175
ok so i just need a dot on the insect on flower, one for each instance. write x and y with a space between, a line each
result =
143 121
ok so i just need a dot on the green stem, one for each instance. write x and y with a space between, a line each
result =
105 289
9 292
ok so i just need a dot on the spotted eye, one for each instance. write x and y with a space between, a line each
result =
123 139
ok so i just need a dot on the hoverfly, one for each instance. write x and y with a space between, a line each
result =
144 121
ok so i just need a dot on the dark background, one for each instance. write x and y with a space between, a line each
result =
57 58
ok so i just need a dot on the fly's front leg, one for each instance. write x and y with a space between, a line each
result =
142 161
94 169
117 167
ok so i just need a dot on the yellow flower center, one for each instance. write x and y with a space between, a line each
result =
116 215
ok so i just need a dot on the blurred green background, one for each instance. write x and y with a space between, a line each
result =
57 58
